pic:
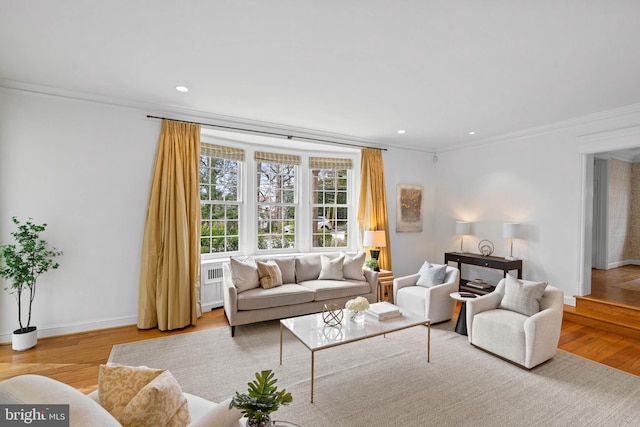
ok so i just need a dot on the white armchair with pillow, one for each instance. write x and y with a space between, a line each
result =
426 293
520 321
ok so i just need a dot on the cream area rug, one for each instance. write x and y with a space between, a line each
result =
386 381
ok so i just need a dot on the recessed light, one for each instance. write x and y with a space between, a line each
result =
472 133
401 131
182 89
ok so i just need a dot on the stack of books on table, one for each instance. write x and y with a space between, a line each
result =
383 310
478 284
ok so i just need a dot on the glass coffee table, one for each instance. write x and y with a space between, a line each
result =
311 331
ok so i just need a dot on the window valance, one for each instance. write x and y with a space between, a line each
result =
329 163
286 159
221 152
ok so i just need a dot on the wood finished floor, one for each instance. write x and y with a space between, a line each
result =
74 359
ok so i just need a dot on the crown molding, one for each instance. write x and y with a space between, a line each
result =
629 110
181 113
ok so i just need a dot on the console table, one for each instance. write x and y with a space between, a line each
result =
498 263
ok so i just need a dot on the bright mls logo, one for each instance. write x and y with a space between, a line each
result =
34 415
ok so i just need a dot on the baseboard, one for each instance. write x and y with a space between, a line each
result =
622 263
72 328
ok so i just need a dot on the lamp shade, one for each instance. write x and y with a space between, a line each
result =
374 239
463 227
511 230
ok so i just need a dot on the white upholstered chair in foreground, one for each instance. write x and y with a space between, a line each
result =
520 321
416 294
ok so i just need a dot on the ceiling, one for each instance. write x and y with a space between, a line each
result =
359 69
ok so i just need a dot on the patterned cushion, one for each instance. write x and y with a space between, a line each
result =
431 275
270 275
244 273
141 396
331 268
352 267
522 296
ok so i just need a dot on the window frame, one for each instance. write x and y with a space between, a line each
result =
248 241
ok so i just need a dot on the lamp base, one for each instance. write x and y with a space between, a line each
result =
510 258
374 254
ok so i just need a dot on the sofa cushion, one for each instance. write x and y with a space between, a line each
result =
270 275
308 267
330 289
522 296
431 274
141 396
287 294
331 268
244 273
352 267
287 267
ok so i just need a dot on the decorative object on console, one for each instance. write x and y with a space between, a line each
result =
262 399
374 239
332 314
462 229
511 231
485 247
372 264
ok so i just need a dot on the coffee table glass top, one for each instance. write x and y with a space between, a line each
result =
315 334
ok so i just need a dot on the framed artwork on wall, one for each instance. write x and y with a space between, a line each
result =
408 208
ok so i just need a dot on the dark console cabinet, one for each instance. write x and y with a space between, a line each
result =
494 262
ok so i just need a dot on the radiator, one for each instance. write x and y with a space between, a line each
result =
212 287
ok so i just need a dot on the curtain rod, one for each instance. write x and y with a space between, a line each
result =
265 133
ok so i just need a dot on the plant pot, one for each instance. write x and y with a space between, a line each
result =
24 340
266 422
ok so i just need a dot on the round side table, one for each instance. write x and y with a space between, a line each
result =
461 324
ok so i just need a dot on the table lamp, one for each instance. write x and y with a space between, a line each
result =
462 228
511 231
374 239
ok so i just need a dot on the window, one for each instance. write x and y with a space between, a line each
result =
330 201
277 201
219 198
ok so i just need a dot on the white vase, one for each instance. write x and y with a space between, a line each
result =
21 341
357 316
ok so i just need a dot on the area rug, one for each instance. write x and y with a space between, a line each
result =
386 381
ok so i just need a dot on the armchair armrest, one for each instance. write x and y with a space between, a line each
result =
403 282
478 305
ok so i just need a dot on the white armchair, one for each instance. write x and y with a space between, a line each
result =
524 340
432 302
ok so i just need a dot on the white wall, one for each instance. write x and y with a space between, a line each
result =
84 169
543 181
410 250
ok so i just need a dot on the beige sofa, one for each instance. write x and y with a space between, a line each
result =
84 410
307 285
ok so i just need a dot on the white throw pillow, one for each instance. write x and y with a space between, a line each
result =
331 268
307 267
244 273
522 296
352 267
431 274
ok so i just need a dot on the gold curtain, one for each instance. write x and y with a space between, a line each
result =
169 290
372 210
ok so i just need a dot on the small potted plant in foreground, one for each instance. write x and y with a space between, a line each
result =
262 399
21 263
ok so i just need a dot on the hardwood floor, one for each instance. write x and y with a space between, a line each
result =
74 359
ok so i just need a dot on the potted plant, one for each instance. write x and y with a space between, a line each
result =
22 263
372 264
262 399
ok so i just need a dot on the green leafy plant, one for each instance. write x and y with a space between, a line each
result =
23 262
262 399
371 263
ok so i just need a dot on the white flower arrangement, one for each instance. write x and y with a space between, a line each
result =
357 304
